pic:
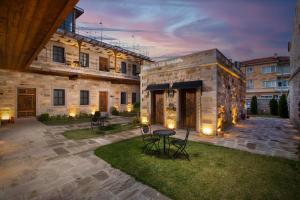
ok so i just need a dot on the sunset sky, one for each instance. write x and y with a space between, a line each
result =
241 29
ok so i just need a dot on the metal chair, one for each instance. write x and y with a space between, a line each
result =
181 145
95 120
149 140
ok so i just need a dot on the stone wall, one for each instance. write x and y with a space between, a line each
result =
294 94
44 84
230 98
199 66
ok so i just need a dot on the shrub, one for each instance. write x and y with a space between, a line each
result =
273 107
44 117
253 106
114 111
283 107
136 121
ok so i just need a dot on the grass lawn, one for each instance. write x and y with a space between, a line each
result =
65 121
79 134
213 172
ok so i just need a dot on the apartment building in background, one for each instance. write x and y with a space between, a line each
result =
73 74
294 49
266 78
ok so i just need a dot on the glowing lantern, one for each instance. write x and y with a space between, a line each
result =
144 120
171 124
5 115
129 107
207 131
72 112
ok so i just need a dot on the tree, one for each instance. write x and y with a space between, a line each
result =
283 107
253 106
273 107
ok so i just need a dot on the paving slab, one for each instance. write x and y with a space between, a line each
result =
38 162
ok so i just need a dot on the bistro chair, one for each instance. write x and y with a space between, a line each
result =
95 120
180 145
150 142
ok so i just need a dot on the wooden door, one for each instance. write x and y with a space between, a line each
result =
26 102
103 101
158 107
188 108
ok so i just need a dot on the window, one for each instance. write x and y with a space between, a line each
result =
103 64
84 97
123 97
133 99
283 69
268 69
266 97
58 54
84 59
59 97
134 70
269 84
283 83
249 84
249 70
123 67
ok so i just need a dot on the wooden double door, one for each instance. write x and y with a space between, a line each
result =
188 108
26 106
103 101
157 107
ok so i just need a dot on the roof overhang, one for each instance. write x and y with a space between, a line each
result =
187 85
155 87
26 26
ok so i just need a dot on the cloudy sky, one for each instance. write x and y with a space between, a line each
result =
241 29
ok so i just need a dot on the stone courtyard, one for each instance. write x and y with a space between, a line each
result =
260 135
37 162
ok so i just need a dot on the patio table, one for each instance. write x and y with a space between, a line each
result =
164 133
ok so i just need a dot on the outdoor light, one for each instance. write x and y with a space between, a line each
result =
207 131
129 107
171 124
219 129
144 120
72 114
5 115
171 93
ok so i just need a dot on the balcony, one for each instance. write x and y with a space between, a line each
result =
71 68
282 89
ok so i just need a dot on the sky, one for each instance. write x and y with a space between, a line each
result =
241 29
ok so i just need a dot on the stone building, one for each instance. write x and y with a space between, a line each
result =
203 91
294 95
266 78
72 74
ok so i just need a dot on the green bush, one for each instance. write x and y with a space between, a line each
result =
114 111
273 107
283 107
136 121
44 117
253 107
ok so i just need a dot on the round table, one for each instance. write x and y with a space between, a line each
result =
165 133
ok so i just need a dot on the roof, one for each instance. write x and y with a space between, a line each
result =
78 11
267 60
101 44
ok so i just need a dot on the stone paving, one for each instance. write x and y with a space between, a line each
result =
37 162
267 136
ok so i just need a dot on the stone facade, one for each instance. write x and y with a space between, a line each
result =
221 95
45 75
258 77
294 95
